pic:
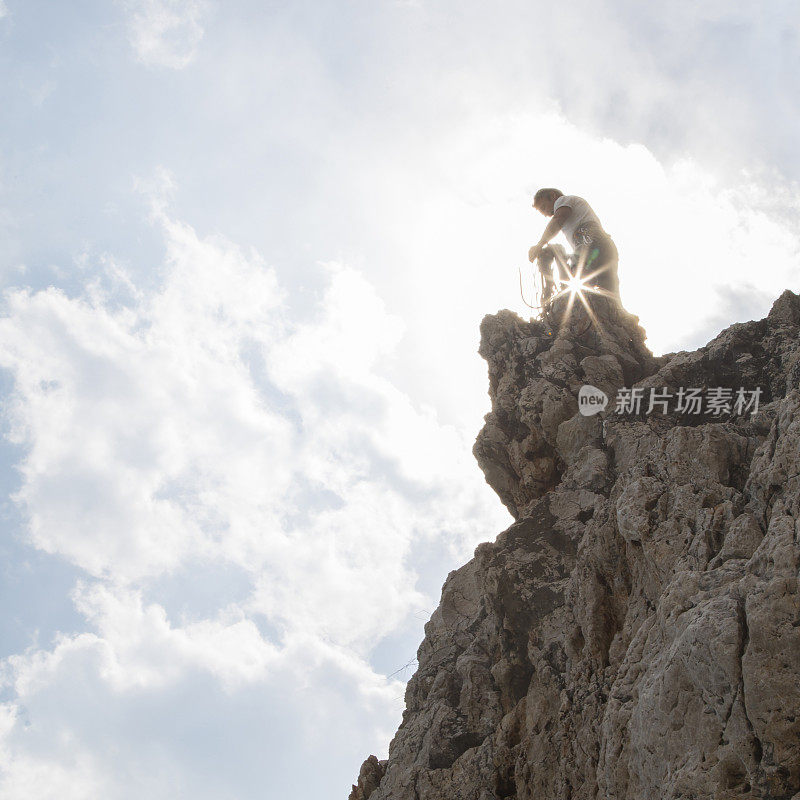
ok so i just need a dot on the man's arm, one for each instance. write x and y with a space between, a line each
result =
553 227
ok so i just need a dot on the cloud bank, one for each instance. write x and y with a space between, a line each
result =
196 432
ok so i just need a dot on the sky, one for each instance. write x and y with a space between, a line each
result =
245 249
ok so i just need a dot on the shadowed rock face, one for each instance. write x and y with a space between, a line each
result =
636 633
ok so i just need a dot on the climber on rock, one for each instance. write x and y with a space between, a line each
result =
595 248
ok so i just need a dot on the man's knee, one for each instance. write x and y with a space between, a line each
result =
605 277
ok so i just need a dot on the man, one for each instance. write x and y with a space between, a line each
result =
582 228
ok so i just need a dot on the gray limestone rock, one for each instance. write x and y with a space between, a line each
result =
635 635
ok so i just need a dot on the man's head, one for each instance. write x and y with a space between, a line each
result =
544 200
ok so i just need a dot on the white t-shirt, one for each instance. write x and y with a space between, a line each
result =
582 214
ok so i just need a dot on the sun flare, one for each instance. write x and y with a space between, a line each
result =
574 284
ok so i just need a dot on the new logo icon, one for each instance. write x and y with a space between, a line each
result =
591 400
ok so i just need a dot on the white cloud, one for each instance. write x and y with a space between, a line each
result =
129 404
135 647
166 33
647 73
196 424
121 716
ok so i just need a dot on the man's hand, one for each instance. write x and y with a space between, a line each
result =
535 252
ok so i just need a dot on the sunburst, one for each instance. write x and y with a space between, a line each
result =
576 284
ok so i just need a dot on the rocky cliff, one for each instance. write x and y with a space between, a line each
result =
636 632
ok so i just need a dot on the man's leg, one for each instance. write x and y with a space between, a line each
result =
602 263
